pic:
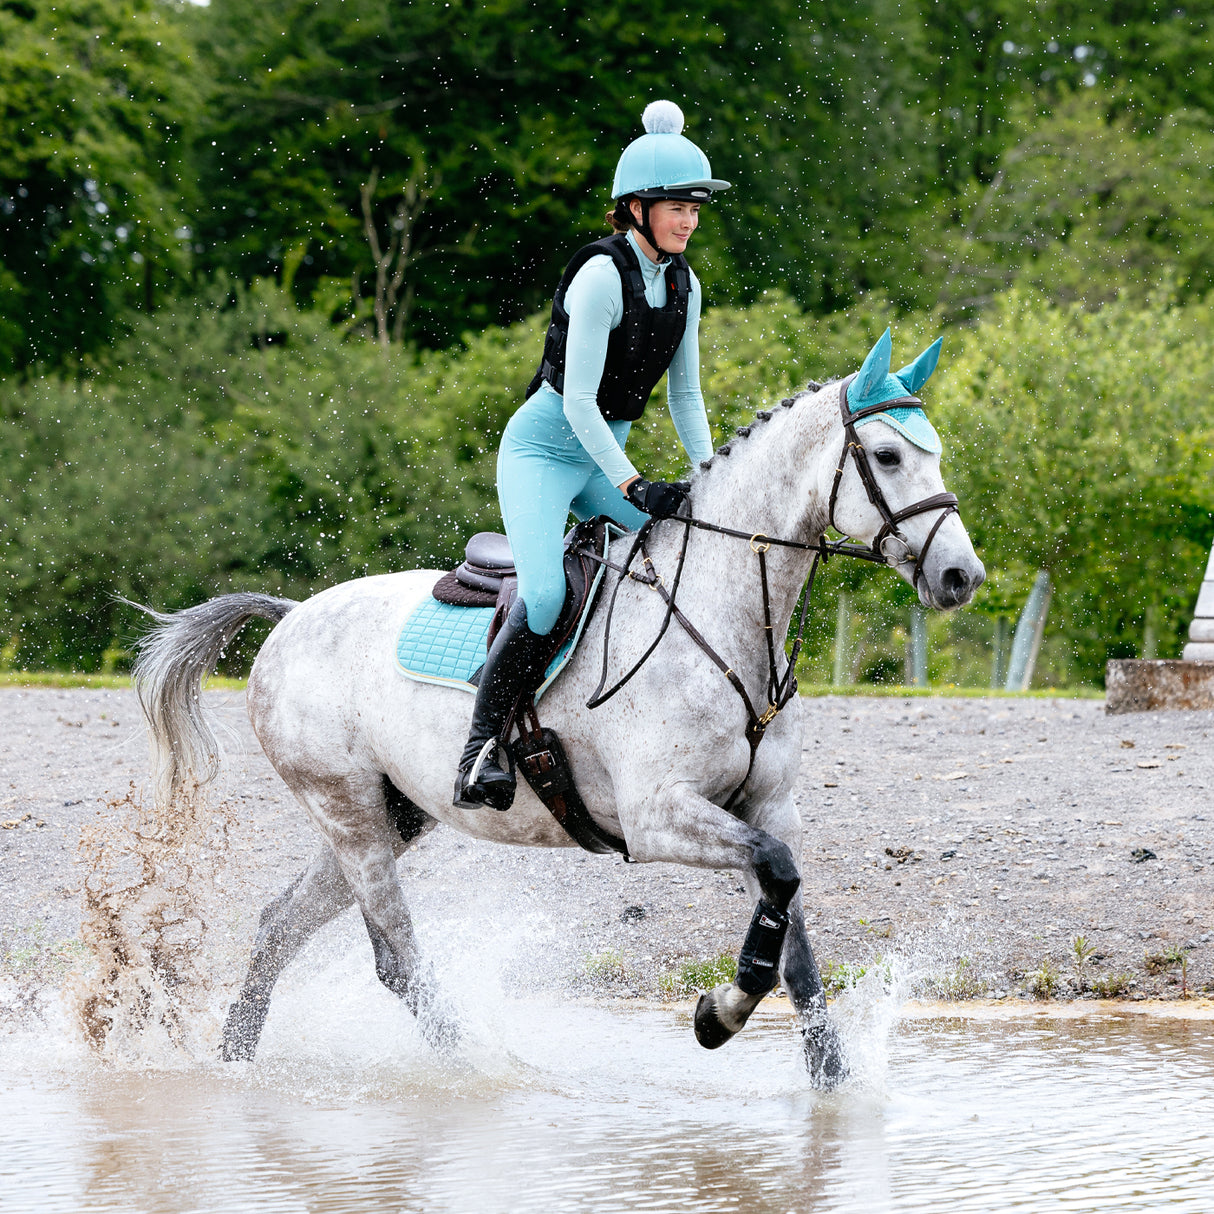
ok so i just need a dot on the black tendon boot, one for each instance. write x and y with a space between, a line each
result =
515 663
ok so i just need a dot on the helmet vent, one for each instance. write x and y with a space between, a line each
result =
662 118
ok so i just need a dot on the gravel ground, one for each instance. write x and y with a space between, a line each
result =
975 838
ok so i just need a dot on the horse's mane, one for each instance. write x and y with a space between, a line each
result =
764 415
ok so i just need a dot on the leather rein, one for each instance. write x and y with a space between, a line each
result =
780 687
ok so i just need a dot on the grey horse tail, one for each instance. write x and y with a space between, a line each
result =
173 659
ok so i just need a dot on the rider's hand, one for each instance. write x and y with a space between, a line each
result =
658 499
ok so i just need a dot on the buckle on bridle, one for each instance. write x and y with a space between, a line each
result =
770 715
756 547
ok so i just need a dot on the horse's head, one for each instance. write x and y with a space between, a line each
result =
886 490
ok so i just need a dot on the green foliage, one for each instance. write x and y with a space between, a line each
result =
1111 986
1082 948
1083 205
607 968
1083 443
237 442
959 983
1043 983
702 975
839 976
94 99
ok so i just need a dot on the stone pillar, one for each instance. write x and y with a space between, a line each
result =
1201 631
1141 686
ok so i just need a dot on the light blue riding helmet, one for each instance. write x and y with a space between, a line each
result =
662 163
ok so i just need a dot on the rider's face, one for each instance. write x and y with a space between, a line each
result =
672 222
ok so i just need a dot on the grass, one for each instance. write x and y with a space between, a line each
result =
839 976
1043 983
1111 986
607 968
35 956
947 690
1083 949
700 975
68 678
1170 959
959 983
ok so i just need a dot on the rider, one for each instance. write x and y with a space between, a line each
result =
626 311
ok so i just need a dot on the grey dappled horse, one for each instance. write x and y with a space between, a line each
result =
371 754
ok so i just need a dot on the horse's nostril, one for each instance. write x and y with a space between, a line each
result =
955 581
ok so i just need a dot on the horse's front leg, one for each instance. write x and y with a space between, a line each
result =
684 827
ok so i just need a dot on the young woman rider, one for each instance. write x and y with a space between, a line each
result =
626 312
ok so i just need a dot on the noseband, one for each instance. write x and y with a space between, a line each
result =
946 503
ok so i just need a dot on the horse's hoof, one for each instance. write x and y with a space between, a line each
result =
824 1055
710 1032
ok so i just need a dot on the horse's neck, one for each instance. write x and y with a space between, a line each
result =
769 484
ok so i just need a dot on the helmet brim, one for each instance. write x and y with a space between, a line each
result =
682 191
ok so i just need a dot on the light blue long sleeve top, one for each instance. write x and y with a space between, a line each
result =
595 303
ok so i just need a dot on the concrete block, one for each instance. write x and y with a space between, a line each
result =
1198 651
1205 602
1201 630
1142 686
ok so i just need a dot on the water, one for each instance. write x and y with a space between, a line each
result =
558 1105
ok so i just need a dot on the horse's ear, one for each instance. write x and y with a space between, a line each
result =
872 374
917 373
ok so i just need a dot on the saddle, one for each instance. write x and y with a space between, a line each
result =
487 578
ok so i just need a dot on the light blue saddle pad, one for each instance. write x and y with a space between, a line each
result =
441 643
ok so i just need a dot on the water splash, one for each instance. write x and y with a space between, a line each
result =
150 904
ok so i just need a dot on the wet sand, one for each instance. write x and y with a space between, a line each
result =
977 837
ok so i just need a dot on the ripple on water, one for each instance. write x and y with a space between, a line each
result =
558 1105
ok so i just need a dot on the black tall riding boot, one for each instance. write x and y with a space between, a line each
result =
515 663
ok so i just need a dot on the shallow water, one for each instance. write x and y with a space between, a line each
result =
557 1105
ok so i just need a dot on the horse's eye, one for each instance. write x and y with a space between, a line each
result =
887 458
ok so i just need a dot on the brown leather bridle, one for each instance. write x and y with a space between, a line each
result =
946 503
780 688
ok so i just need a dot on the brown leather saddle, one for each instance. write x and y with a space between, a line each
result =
487 578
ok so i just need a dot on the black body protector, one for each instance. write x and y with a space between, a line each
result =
640 348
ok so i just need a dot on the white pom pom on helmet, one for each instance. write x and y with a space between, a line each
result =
662 163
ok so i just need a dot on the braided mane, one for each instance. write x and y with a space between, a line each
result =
764 415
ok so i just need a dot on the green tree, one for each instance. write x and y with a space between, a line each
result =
1082 206
94 95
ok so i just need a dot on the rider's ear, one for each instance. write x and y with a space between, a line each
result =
872 374
917 373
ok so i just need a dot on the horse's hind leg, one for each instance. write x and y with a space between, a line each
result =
318 894
315 897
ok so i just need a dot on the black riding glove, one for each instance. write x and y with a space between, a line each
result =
658 499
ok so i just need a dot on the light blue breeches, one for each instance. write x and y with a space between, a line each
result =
543 474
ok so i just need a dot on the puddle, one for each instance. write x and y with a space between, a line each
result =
557 1105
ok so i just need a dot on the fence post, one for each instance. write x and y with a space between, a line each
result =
1026 643
842 640
999 656
917 647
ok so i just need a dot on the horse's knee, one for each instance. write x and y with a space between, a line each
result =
776 870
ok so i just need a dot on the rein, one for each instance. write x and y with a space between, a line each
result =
780 688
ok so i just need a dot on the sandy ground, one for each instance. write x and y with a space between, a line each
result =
976 838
